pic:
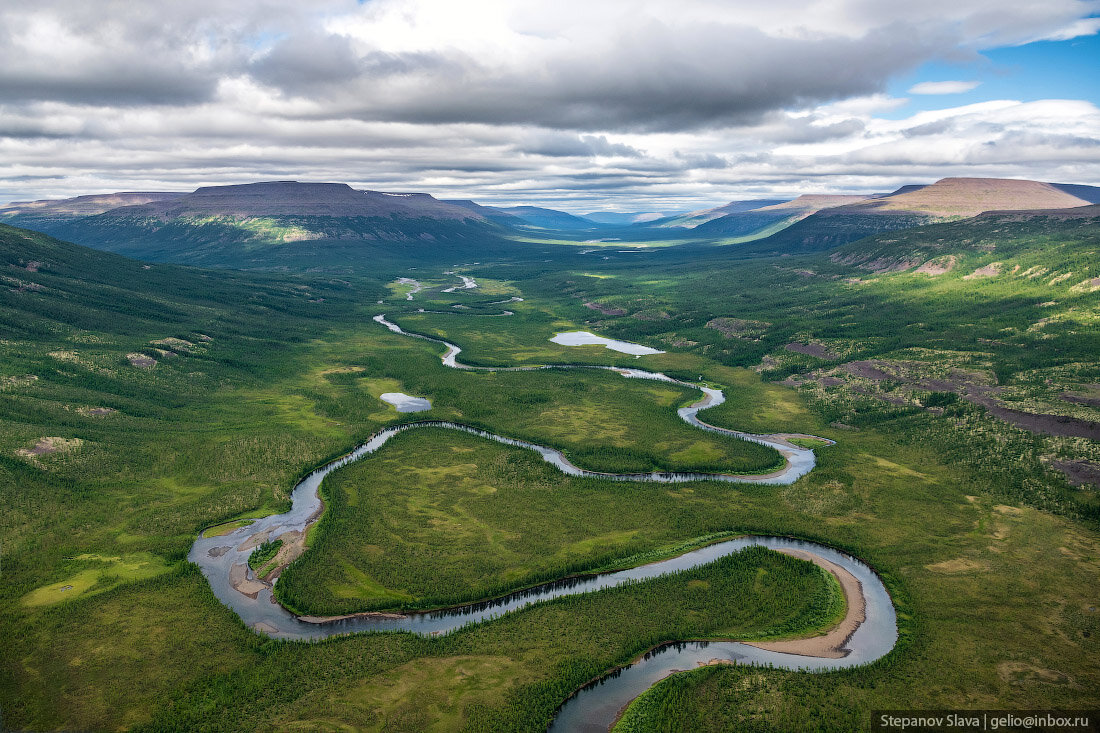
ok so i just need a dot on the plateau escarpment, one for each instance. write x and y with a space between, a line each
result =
913 206
252 225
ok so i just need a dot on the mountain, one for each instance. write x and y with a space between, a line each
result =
616 218
291 198
1092 211
548 218
489 212
774 216
946 200
965 197
695 218
256 224
554 219
908 188
534 216
34 214
1086 193
811 202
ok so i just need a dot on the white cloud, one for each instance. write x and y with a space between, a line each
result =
568 101
1076 29
943 87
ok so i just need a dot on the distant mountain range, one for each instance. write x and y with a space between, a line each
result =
245 225
627 218
261 224
548 218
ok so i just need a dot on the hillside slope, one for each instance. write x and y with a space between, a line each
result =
695 218
49 287
543 218
945 200
786 213
44 213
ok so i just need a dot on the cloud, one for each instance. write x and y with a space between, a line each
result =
943 87
520 100
561 145
643 71
299 63
704 161
1076 29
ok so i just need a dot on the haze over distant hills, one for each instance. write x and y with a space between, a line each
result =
772 217
626 218
695 218
548 218
89 204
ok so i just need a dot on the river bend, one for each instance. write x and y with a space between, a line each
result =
224 559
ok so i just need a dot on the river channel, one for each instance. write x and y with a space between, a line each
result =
224 562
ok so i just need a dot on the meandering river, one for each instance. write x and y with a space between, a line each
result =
224 559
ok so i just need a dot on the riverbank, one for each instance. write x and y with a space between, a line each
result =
830 645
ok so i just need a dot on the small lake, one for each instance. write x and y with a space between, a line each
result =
584 338
405 403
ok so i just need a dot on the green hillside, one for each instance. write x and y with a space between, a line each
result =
998 311
285 242
111 371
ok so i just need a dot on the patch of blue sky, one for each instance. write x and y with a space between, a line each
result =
1067 69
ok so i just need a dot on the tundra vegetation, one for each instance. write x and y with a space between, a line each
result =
989 551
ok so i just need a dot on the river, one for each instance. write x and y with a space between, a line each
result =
224 558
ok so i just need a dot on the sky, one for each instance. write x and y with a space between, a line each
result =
614 105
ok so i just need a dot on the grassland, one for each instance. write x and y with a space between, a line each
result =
997 598
1008 303
438 519
216 431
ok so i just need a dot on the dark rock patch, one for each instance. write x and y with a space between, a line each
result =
812 349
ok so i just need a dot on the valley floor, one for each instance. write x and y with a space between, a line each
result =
993 566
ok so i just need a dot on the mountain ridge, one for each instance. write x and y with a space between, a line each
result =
293 198
945 200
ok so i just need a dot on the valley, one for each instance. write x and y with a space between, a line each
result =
938 377
412 366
